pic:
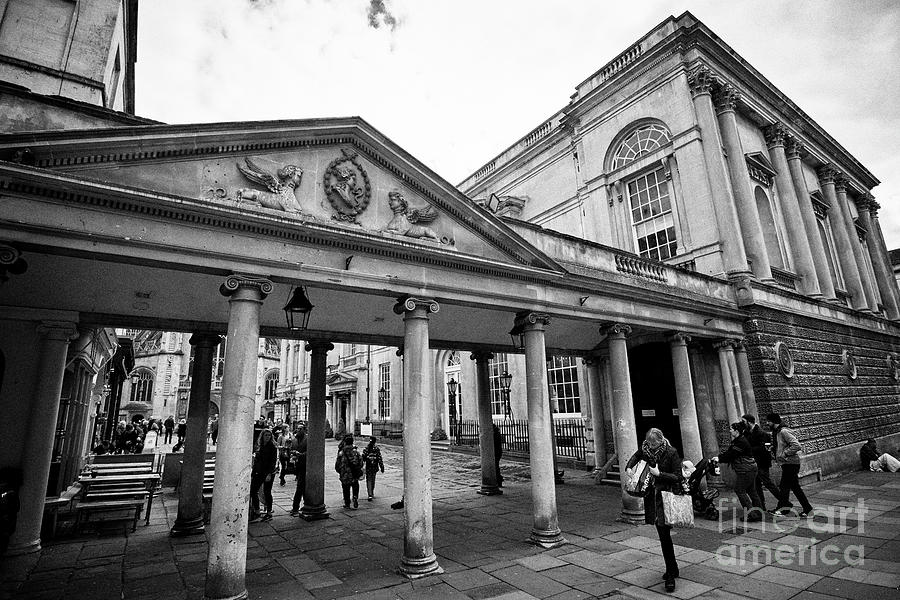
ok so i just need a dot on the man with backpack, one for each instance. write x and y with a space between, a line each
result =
349 466
787 454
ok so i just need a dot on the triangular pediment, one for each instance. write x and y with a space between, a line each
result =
331 176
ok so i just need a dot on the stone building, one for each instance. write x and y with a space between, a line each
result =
681 227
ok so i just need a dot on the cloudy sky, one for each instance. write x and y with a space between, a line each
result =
455 82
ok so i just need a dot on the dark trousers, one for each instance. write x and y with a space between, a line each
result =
283 461
346 487
745 486
790 482
668 550
301 489
764 480
497 463
370 483
168 438
258 482
215 436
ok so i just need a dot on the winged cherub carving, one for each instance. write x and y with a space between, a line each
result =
406 220
281 188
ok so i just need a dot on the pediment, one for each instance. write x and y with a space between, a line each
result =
336 176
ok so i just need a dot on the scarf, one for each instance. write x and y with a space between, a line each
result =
653 454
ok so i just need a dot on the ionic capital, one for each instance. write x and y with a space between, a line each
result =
236 281
408 304
725 97
481 355
210 340
319 346
616 330
62 331
775 135
531 320
724 345
678 338
793 147
700 80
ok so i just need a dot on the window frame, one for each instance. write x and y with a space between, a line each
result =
655 168
497 366
559 364
384 376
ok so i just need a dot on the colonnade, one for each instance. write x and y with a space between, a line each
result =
743 242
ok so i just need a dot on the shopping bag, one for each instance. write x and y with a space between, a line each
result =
637 479
678 510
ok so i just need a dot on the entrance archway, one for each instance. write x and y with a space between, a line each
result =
653 391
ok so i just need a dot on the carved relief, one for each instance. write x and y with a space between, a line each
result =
347 187
893 363
406 220
280 194
849 363
784 362
11 261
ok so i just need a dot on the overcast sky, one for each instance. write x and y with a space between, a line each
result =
455 82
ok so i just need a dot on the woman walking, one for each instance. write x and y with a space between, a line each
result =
349 467
665 466
285 441
265 465
372 458
740 456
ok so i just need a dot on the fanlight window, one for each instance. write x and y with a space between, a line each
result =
642 140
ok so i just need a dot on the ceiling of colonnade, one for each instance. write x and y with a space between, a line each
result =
139 227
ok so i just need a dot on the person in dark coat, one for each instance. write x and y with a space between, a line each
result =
265 465
665 466
499 438
371 456
761 445
169 426
349 466
298 455
740 456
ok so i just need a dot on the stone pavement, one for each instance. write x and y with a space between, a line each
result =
480 543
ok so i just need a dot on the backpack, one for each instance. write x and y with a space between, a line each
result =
356 464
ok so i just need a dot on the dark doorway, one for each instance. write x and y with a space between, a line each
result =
653 391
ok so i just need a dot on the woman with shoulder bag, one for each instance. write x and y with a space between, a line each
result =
665 467
265 465
740 456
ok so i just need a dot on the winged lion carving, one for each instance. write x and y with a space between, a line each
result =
406 221
281 186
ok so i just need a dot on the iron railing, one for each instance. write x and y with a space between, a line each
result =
570 442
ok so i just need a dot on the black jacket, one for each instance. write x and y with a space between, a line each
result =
739 454
669 480
758 440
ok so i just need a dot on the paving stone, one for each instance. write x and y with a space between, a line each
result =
890 580
598 562
853 590
541 562
786 577
529 581
468 579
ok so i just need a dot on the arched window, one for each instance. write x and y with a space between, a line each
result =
272 348
271 383
643 140
770 233
453 359
142 389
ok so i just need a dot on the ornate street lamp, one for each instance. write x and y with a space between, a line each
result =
517 335
298 309
505 383
383 399
451 393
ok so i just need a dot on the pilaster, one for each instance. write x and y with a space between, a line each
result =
841 231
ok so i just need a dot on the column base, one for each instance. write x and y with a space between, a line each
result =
185 527
490 490
314 513
24 548
242 596
417 568
547 539
631 517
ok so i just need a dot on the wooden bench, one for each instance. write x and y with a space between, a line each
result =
84 510
107 493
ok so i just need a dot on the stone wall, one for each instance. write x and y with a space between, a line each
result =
831 412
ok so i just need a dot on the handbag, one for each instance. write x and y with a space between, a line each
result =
637 479
678 509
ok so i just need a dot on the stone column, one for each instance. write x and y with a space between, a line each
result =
729 385
490 482
692 448
884 275
840 230
840 187
748 396
190 490
733 252
624 425
797 232
314 493
54 339
726 98
545 531
227 558
418 529
705 413
591 367
793 150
